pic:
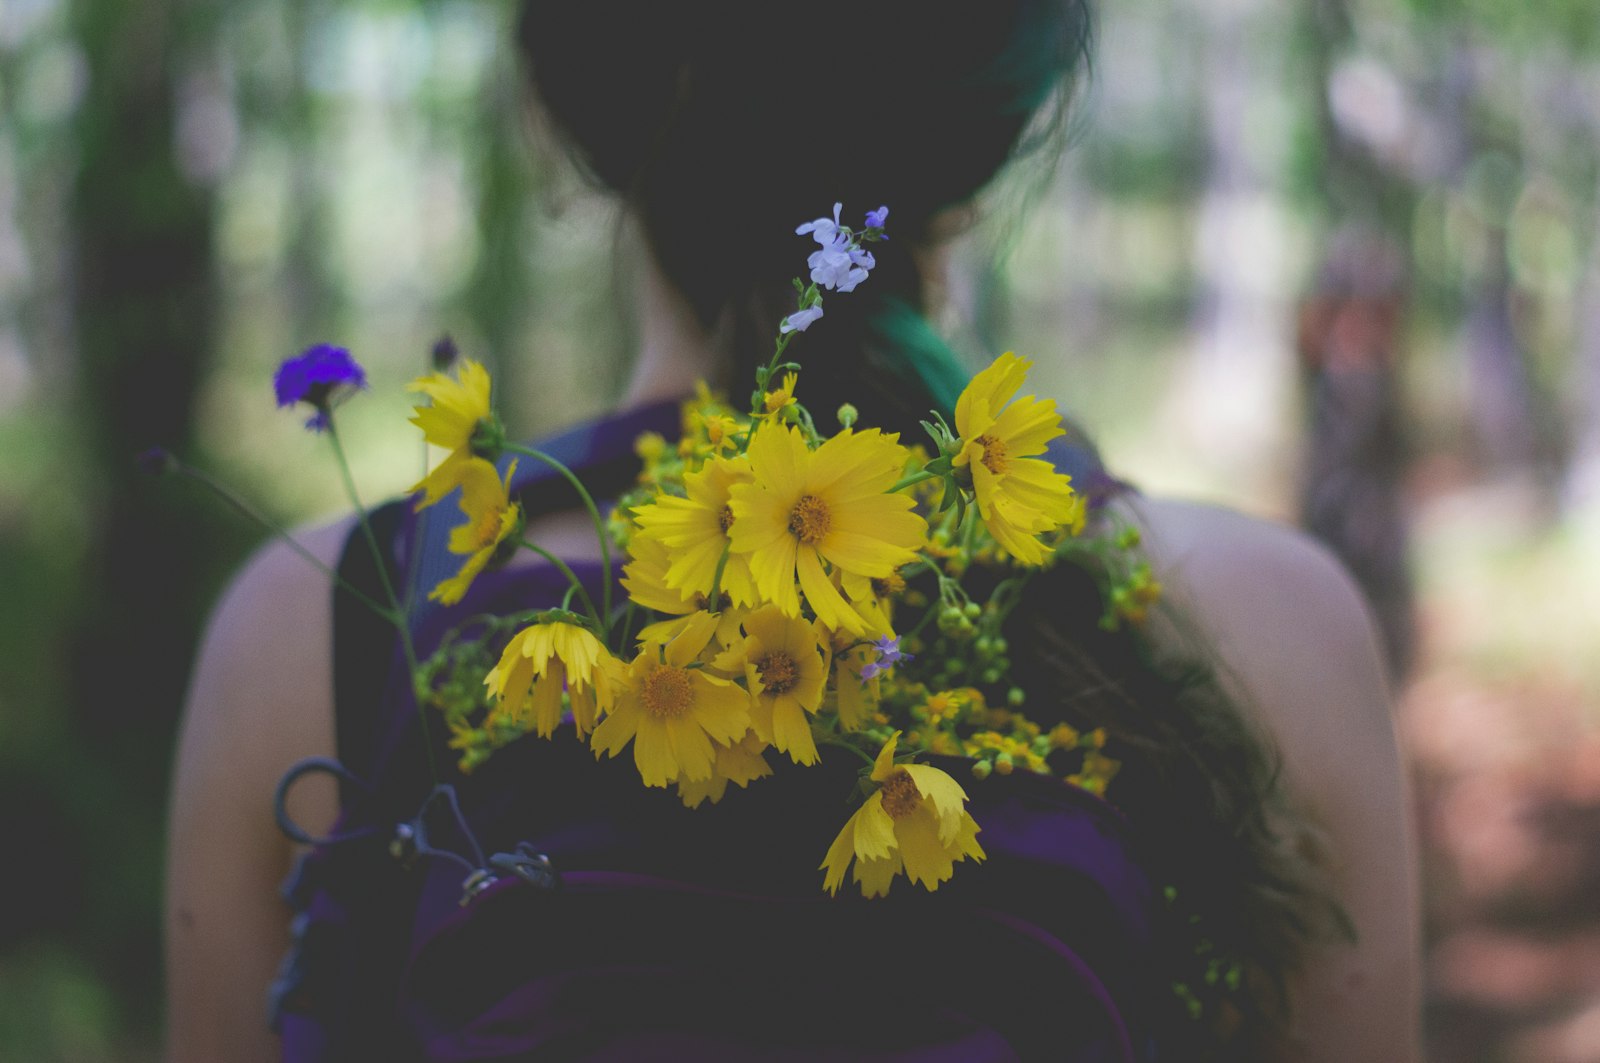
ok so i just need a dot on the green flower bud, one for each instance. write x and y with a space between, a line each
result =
847 415
981 770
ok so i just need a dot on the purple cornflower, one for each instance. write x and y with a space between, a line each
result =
889 655
320 377
876 219
444 354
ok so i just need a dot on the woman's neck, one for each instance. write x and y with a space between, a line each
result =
675 350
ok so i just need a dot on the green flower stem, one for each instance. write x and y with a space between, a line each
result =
599 531
280 532
969 530
914 478
931 612
627 619
716 580
588 603
830 740
403 628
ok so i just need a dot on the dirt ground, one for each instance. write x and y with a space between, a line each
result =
1507 798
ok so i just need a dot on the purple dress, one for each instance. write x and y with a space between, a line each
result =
548 906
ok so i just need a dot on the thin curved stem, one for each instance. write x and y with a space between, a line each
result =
401 626
577 584
599 530
280 532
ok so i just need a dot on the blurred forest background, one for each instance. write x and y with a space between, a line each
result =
1334 262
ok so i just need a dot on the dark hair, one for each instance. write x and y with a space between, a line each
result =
722 134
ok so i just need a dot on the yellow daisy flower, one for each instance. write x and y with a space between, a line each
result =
491 518
695 532
727 633
775 401
673 714
539 663
916 821
645 578
785 672
1019 496
741 763
449 421
873 599
805 509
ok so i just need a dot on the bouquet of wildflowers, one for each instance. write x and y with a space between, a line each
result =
786 589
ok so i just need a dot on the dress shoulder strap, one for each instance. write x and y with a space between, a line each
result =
363 642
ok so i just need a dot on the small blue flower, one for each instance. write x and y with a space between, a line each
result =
800 320
876 219
840 265
320 377
889 655
823 230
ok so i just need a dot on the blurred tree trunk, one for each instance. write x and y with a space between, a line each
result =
1235 374
498 294
1583 474
142 235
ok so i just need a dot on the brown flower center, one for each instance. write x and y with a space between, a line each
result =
725 519
487 529
703 601
994 453
809 520
779 672
667 692
900 794
893 584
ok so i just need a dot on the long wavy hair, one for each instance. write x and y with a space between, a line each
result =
719 135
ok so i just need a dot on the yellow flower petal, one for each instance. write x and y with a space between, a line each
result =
875 831
927 860
876 876
948 798
691 749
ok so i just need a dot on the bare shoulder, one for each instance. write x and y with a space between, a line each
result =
261 694
1298 646
260 698
1282 611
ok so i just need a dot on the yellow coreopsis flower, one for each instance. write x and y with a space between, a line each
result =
645 579
805 509
539 663
785 672
491 518
450 421
740 763
775 401
695 532
916 821
1020 497
673 714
